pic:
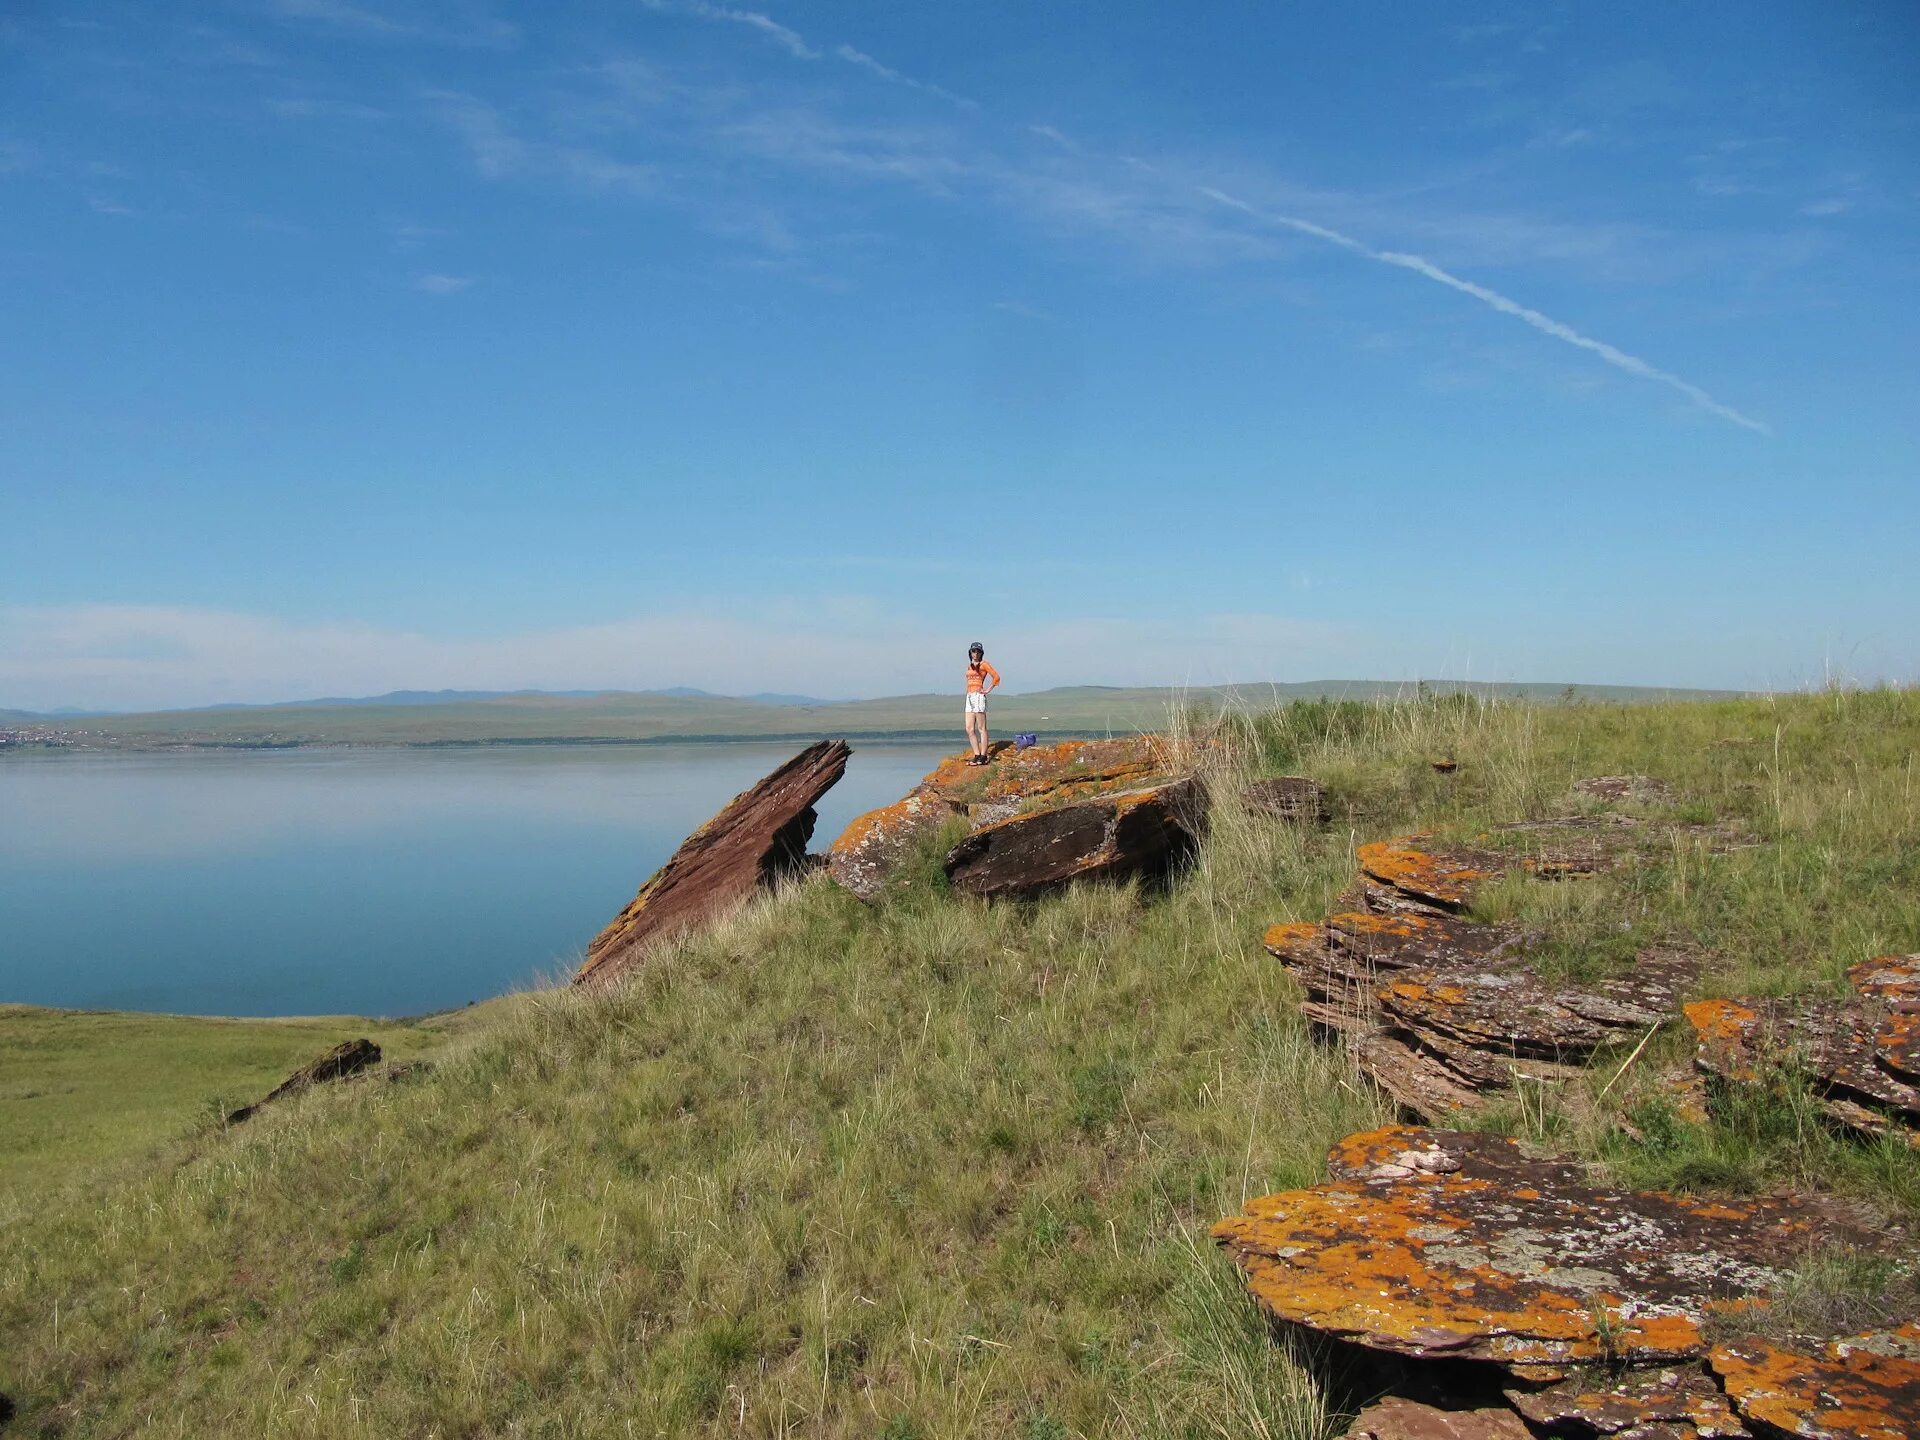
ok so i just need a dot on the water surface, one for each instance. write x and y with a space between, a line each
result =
375 882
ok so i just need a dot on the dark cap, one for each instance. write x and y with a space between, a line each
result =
976 646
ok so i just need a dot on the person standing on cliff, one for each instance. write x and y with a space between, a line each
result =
982 680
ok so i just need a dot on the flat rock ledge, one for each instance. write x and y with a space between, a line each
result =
1442 1012
1588 1310
1145 834
759 837
866 857
1861 1054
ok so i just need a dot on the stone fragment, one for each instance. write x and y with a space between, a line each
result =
1508 1259
1290 797
1682 1397
868 852
759 837
1400 876
1866 1387
1612 789
1397 1418
1144 834
343 1060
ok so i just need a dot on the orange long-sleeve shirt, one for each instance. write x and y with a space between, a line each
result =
977 676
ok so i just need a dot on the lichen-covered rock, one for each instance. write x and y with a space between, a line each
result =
1682 1400
760 836
1858 1053
1290 797
1398 1418
349 1058
1137 834
1866 1387
868 852
1506 1259
1401 875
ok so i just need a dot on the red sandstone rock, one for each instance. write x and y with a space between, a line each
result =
1508 1259
867 853
1682 1400
343 1060
1401 875
761 835
1137 834
1397 1418
1866 1387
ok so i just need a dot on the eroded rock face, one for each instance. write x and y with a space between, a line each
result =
1289 797
866 855
761 835
1865 1387
1145 834
1506 1259
1858 1053
338 1063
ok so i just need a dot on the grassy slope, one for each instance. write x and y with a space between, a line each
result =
935 1169
87 1093
620 716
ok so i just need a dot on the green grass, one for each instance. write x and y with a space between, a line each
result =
937 1168
85 1093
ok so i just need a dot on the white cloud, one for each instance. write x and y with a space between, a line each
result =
136 657
442 284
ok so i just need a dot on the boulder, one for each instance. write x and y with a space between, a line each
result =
760 836
343 1060
1288 797
1863 1387
1442 1244
1145 834
1858 1053
868 852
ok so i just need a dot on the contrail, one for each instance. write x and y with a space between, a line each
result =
1546 324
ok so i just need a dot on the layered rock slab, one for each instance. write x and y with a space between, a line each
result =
1858 1053
867 854
1293 798
1398 1418
1504 1258
1864 1387
344 1060
1141 834
760 836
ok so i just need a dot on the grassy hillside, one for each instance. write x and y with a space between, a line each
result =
937 1168
523 718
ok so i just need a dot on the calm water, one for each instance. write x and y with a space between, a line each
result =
374 882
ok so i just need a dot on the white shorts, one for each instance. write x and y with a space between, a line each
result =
976 703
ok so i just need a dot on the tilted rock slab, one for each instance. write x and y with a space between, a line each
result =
1436 1243
1289 797
349 1058
868 852
1676 1401
1404 877
1865 1387
1859 1053
1144 834
761 835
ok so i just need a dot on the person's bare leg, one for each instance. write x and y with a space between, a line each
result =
985 746
974 743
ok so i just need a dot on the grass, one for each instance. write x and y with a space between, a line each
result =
935 1168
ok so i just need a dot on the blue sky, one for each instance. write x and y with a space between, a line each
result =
360 344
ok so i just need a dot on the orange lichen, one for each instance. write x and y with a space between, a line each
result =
1295 937
1437 878
1853 1390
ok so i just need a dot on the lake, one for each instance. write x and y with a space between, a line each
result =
371 882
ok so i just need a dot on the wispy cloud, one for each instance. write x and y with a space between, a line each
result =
500 152
466 25
442 284
764 25
894 77
1612 355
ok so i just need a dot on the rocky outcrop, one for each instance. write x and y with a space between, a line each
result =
1614 789
868 853
1441 1011
1136 834
1859 1054
343 1060
759 837
1398 1418
1596 1304
1292 798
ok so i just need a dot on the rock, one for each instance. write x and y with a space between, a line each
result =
1402 877
760 836
1612 789
1290 797
1444 766
1857 1053
865 856
1866 1387
1397 1418
1144 833
343 1060
1683 1399
1509 1259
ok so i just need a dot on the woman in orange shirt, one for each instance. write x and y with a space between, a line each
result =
982 680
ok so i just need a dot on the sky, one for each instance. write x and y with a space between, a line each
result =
356 345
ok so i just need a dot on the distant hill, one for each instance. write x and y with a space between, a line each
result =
532 717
